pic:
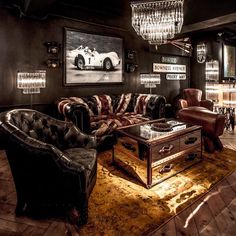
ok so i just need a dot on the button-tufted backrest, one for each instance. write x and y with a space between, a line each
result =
44 128
193 96
38 126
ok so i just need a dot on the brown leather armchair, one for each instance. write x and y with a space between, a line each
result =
54 164
195 111
192 97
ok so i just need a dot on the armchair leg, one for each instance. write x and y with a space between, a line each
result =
19 211
218 144
79 215
83 211
209 145
73 216
212 144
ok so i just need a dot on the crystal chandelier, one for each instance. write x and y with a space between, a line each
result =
157 21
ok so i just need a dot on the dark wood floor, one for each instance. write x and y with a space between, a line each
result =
212 215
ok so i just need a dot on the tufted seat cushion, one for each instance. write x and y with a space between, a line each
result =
83 157
87 159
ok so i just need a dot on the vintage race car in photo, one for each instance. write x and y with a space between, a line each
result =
85 58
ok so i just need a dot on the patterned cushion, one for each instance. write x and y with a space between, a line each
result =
123 103
141 104
103 104
111 122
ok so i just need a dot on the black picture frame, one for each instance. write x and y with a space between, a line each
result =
229 61
92 59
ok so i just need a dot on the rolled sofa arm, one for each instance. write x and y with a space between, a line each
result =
75 112
156 107
73 138
207 104
182 103
79 115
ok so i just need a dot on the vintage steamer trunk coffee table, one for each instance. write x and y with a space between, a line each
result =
152 154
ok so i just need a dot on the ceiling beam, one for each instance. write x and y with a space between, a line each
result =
33 6
211 23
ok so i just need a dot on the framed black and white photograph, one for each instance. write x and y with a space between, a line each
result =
229 61
92 58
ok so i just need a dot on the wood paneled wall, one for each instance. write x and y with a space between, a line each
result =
22 47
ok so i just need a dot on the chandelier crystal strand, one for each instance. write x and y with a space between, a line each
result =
157 21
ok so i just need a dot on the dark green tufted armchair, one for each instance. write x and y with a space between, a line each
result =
53 163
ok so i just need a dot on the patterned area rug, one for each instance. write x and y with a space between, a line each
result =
119 205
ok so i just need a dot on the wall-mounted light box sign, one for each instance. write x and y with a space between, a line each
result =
150 80
176 76
31 82
159 67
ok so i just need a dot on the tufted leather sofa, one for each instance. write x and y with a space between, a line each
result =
54 164
101 114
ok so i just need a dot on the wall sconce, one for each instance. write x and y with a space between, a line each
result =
201 52
131 57
212 71
130 54
31 82
53 63
130 67
150 80
52 47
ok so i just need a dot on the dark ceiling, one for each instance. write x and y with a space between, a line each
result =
199 15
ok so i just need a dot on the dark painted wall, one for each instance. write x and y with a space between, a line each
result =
214 52
22 47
